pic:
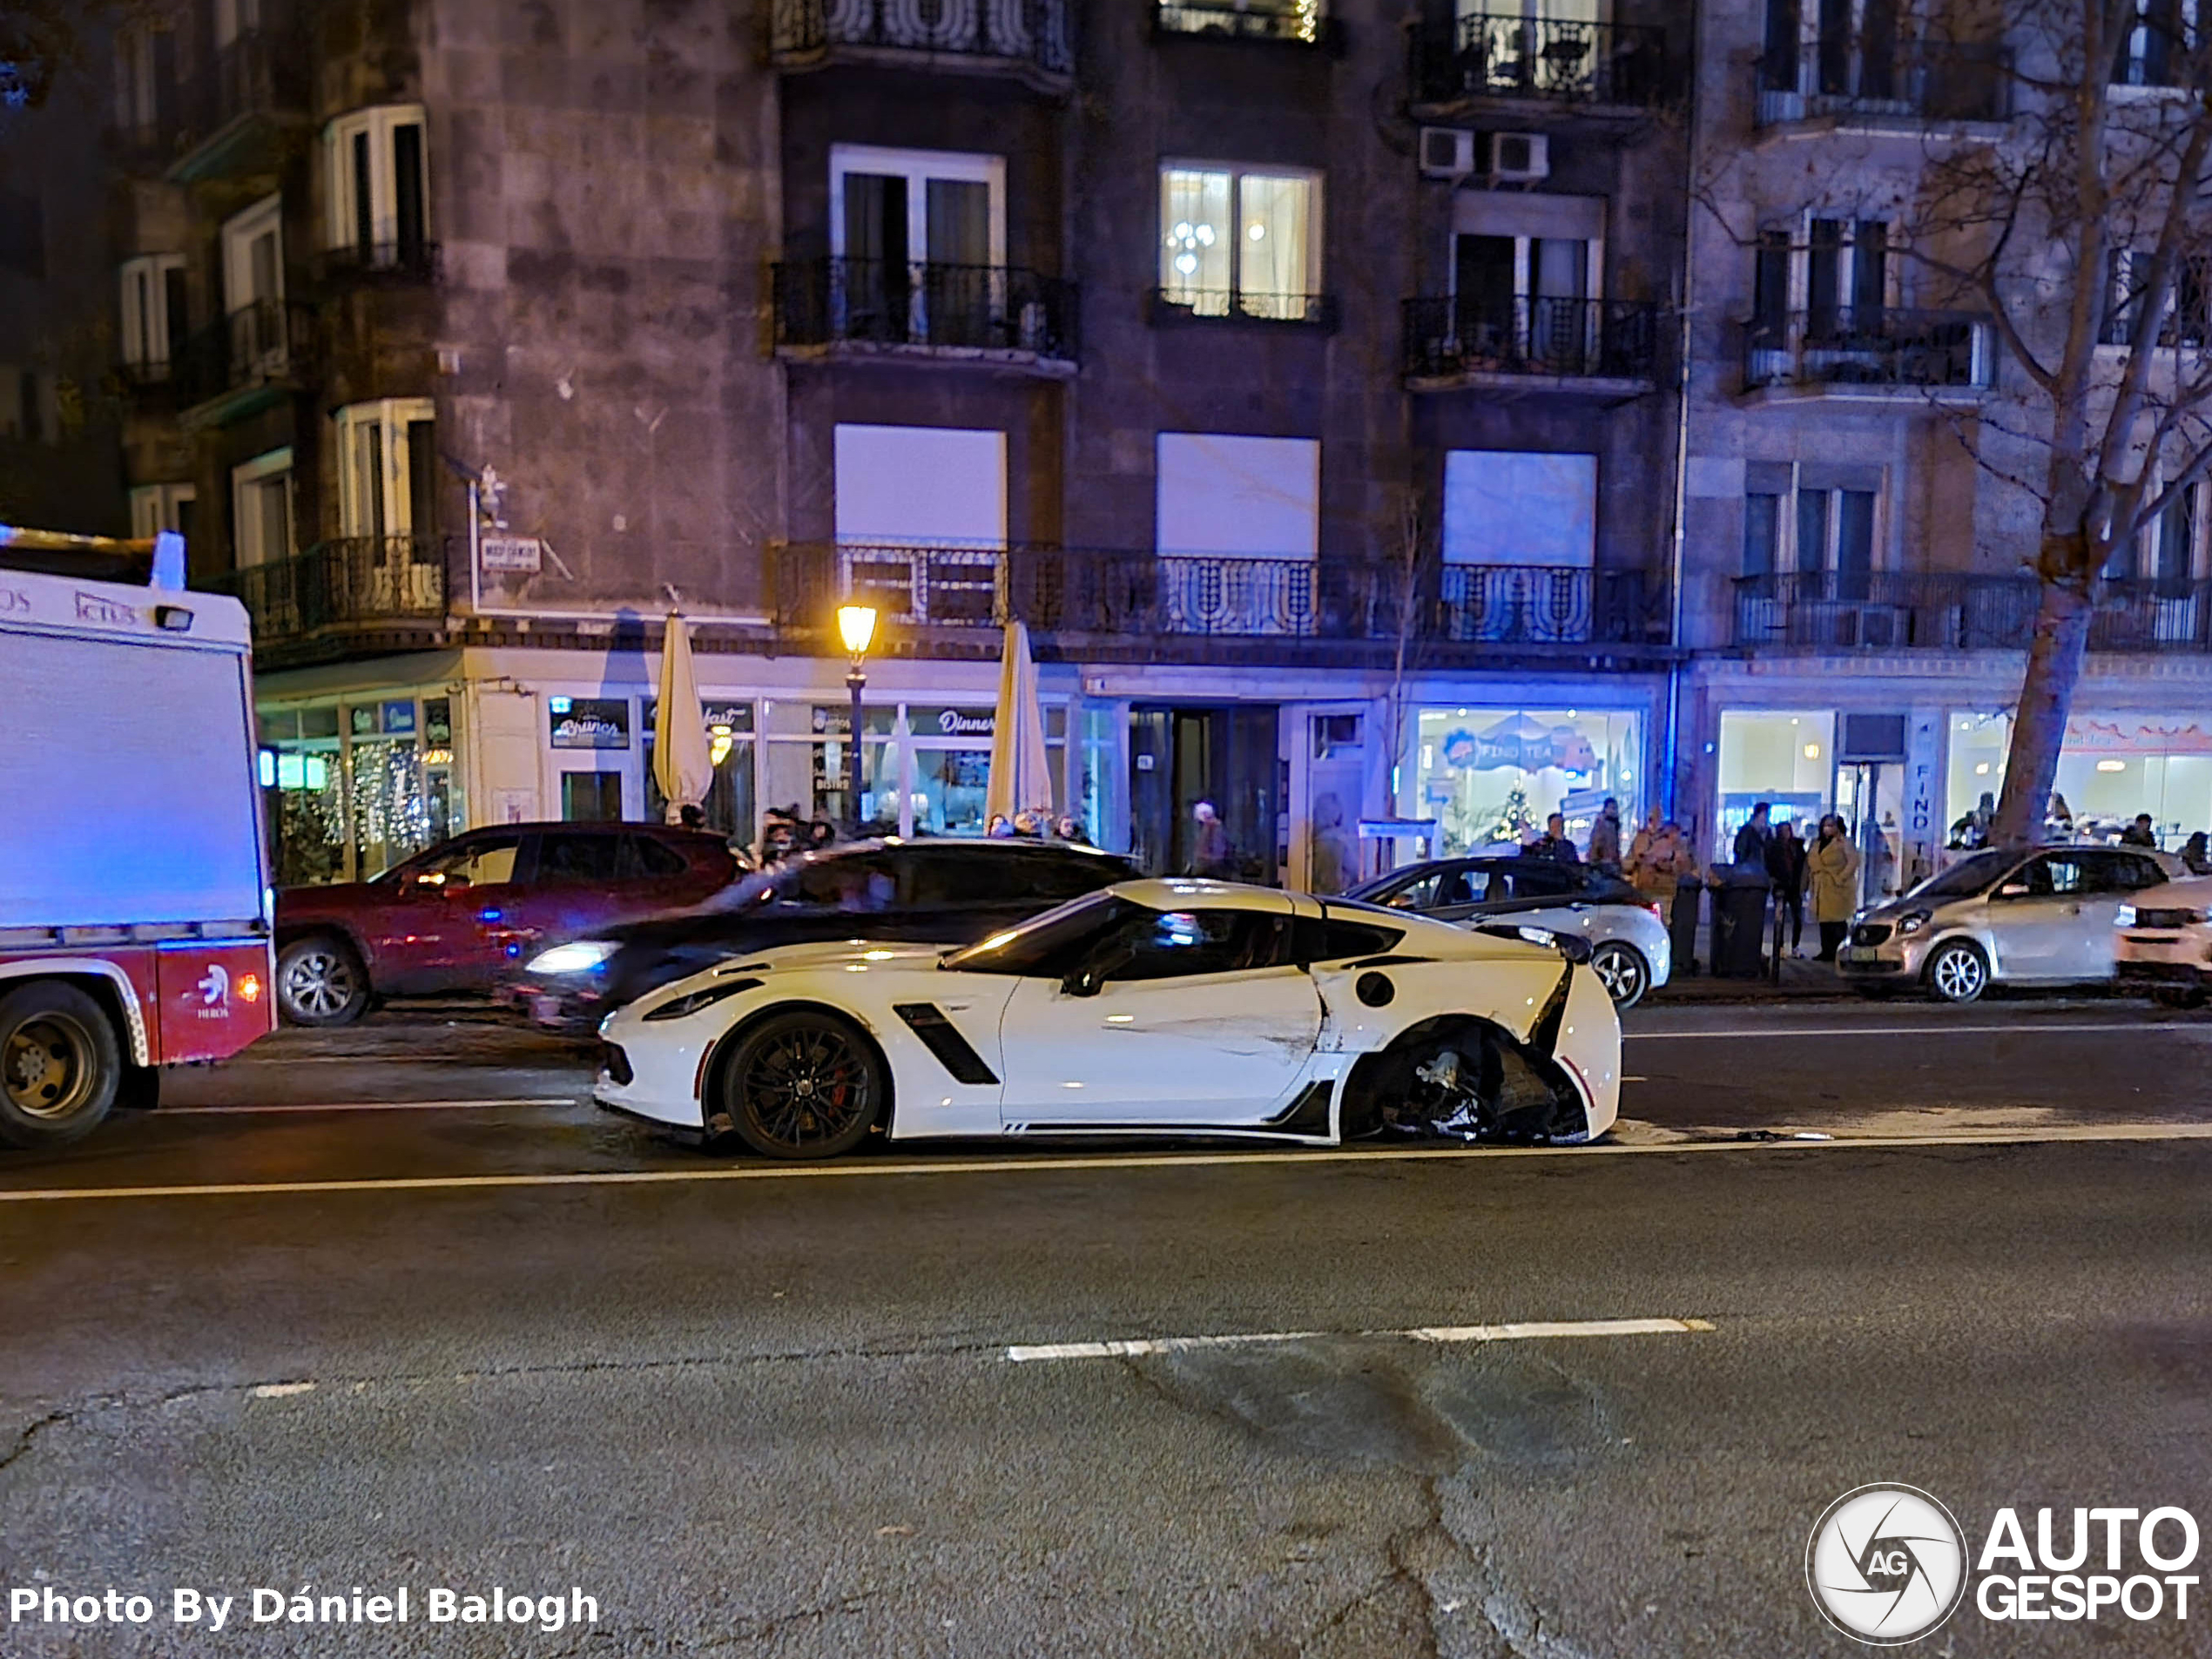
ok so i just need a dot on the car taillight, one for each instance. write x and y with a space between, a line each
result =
1657 915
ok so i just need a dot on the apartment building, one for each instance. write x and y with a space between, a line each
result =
1304 379
1855 596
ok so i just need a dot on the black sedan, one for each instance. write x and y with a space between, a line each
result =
949 892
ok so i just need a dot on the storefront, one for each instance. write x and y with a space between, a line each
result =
353 785
1485 774
2112 767
1783 757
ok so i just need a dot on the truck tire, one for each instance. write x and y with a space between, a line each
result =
59 1065
320 981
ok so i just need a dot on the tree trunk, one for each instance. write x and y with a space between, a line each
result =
2055 654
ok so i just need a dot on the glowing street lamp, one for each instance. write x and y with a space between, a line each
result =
856 626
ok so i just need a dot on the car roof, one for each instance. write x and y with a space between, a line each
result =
995 846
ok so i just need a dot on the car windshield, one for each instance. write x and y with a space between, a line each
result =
1967 878
1041 939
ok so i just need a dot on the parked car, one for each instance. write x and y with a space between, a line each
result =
1630 950
2165 941
455 918
1154 1008
942 892
2041 917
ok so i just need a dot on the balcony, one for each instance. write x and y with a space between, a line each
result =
1914 90
1028 40
1168 308
1879 354
1597 346
1108 605
1288 22
410 262
236 102
1895 611
1512 65
245 362
986 313
357 593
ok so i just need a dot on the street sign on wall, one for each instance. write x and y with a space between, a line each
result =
512 555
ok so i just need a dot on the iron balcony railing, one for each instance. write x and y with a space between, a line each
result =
1446 336
406 260
1900 610
1144 595
1295 23
355 582
953 307
1555 59
1905 83
264 343
1872 347
1203 305
1034 33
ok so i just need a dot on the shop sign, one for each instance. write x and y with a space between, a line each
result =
516 555
1518 743
399 717
2087 734
954 723
835 720
721 716
590 723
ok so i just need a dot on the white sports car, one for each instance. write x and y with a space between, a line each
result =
1148 1009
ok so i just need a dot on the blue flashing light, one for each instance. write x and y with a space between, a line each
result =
514 950
490 914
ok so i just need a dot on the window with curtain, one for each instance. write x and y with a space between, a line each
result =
1239 242
375 185
388 476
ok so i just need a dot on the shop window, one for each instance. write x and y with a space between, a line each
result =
2111 767
1240 243
591 797
1785 758
1489 775
375 183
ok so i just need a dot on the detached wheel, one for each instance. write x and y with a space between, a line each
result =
1958 972
320 981
1621 968
59 1066
804 1085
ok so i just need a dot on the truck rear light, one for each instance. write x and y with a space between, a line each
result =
249 987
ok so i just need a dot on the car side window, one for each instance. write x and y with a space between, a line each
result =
1336 940
1055 878
484 863
645 860
938 879
857 885
1419 893
568 861
2056 875
1181 944
2137 873
1539 878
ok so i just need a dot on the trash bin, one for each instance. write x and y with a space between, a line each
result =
1682 923
1739 922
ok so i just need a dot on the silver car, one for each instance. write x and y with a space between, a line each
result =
1630 951
2041 917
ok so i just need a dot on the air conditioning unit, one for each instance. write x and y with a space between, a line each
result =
1447 153
1516 158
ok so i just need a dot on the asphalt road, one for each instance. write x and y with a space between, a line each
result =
760 1411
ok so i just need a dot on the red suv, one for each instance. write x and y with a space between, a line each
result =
453 918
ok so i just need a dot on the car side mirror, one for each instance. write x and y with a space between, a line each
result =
1084 982
2012 890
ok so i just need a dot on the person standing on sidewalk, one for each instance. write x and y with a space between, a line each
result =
1751 839
1833 863
1785 867
1605 838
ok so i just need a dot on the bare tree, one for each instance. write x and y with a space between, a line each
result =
2085 234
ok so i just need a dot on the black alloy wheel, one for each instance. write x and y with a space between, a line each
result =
804 1085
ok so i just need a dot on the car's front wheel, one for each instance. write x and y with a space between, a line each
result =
1958 972
804 1085
320 981
1621 968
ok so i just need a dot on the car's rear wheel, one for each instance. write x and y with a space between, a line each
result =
804 1085
320 981
1623 972
1958 972
59 1065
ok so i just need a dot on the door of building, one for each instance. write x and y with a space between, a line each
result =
1228 755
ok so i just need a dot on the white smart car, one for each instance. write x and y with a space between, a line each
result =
1149 1009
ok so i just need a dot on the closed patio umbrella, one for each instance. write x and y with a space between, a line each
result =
1020 772
682 765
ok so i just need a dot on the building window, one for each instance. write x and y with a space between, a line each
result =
155 507
2187 318
2153 48
253 288
1812 523
376 179
1837 277
145 79
387 475
154 319
23 235
1238 243
1512 507
1250 497
235 18
1831 49
903 207
261 509
29 405
921 521
1292 20
2162 554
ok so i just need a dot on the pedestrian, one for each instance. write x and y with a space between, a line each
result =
1751 839
1785 867
1553 844
1028 826
1069 831
2139 833
998 827
1663 865
1640 847
1213 854
1605 838
779 836
1832 862
820 834
2193 854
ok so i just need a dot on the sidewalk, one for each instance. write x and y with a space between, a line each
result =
1803 979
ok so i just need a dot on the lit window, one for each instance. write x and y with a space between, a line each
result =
1239 242
387 472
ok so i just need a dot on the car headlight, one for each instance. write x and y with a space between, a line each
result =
1912 920
579 956
2124 917
684 1007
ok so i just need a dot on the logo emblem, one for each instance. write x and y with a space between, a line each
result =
215 989
1887 1564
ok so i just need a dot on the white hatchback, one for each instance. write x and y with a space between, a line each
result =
2163 941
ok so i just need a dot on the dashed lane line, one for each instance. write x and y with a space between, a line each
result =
865 1168
1523 1331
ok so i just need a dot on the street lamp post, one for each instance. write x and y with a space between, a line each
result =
856 626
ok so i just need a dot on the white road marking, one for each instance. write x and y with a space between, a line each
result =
1525 1331
2115 1027
366 1106
863 1169
279 1391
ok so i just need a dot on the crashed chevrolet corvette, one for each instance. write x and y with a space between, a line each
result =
1149 1009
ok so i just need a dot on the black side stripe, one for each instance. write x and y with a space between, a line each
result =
942 1039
